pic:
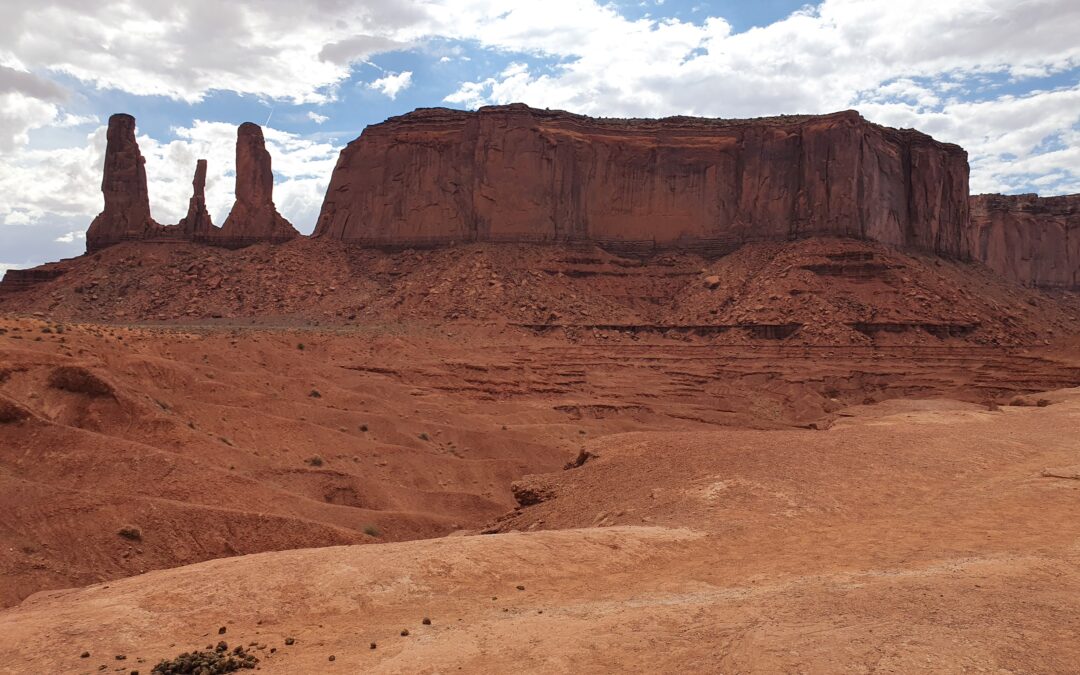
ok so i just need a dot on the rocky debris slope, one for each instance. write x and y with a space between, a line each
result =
127 203
814 291
1031 239
513 173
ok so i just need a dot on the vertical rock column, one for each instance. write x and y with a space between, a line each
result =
254 216
127 204
197 223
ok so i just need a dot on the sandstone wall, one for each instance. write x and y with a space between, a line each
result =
1031 239
512 173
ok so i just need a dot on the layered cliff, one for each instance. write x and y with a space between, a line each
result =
513 173
1027 238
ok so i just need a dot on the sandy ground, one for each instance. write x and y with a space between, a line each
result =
817 457
919 537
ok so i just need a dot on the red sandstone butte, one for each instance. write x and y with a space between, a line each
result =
127 204
197 223
1031 239
513 173
254 216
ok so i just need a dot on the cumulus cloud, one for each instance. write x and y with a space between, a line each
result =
392 84
71 237
301 167
316 117
280 49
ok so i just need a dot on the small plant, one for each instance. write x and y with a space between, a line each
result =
130 533
424 437
315 461
300 346
363 427
315 394
371 531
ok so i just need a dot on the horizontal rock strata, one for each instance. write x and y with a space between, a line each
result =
513 173
1031 239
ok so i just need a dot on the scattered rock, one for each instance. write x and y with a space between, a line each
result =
207 662
531 490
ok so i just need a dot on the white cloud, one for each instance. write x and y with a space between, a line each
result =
66 182
301 167
280 49
316 117
392 84
71 237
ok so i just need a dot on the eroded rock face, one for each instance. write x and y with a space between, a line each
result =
512 173
1031 239
197 223
254 216
127 204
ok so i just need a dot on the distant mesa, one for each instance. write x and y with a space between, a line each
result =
126 216
1027 238
436 177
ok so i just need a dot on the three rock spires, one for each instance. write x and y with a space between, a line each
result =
126 215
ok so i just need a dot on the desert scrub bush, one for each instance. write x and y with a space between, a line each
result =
315 461
371 531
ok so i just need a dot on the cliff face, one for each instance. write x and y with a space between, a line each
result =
1027 238
127 204
512 173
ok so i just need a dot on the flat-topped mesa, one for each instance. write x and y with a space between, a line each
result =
127 204
254 216
514 173
1031 239
197 223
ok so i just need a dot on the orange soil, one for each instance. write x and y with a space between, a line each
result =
910 537
797 465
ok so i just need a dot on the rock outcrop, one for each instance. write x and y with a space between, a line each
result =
513 173
127 204
197 224
254 218
1031 239
126 216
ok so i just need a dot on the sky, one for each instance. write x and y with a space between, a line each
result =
999 77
